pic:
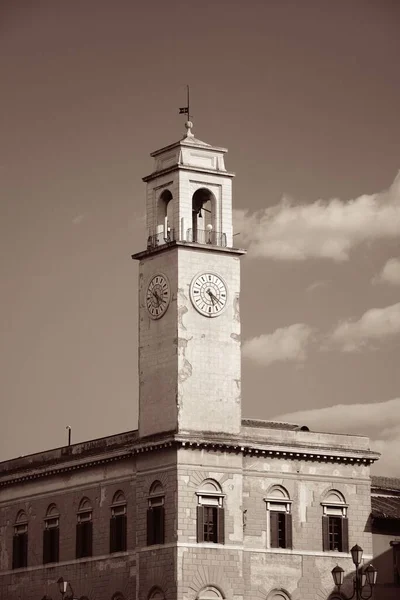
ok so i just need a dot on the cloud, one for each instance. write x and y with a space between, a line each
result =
323 229
284 344
317 285
390 272
374 325
78 219
380 421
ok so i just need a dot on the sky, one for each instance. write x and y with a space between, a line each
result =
306 98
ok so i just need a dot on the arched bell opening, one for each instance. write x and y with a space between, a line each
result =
203 217
164 228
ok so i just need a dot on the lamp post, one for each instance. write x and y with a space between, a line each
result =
364 580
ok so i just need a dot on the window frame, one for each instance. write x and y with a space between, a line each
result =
155 515
84 530
51 535
20 541
279 505
118 523
211 500
334 511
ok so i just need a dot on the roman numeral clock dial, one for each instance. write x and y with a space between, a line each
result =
209 294
158 295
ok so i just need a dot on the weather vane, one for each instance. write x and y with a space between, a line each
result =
185 110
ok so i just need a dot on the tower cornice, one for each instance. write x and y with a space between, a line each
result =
191 168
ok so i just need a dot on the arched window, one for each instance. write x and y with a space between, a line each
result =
20 541
51 535
156 594
155 515
118 523
203 219
118 596
278 595
84 529
210 593
164 228
210 513
335 527
279 518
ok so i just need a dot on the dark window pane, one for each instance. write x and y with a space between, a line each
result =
84 539
335 533
155 525
278 529
118 533
210 524
20 550
51 539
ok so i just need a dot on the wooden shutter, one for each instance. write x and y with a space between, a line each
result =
325 533
274 528
56 544
113 534
124 524
288 531
200 523
220 525
46 546
89 538
150 527
345 534
16 553
79 540
162 525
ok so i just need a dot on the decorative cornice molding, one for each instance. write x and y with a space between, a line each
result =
185 442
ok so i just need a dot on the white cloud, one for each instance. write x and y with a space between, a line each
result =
323 229
284 344
317 285
374 325
380 421
390 272
78 219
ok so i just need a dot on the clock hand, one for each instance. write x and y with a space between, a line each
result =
158 298
209 292
215 298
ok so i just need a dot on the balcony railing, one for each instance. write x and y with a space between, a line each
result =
205 236
154 241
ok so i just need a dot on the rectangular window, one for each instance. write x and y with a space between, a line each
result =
118 533
51 541
280 529
20 548
210 524
155 525
335 533
84 535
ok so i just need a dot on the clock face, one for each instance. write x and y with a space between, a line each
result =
158 295
209 294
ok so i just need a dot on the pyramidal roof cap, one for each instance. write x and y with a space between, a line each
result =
188 140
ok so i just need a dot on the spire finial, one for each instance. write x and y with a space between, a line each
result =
185 110
189 126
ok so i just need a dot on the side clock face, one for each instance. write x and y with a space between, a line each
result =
209 294
158 295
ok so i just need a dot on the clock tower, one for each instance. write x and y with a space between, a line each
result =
189 285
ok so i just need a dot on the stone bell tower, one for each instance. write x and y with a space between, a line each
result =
189 286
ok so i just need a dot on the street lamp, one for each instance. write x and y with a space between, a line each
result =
364 577
64 586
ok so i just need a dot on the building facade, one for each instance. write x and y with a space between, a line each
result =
385 526
198 503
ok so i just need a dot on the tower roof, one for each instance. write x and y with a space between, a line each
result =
188 152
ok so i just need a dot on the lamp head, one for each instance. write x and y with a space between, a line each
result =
356 554
371 574
338 575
